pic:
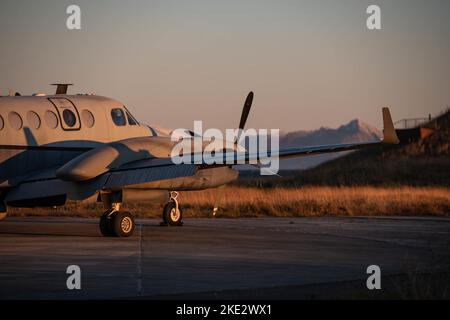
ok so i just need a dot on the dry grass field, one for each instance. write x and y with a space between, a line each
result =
287 202
322 201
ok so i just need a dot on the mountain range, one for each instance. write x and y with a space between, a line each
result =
422 161
354 131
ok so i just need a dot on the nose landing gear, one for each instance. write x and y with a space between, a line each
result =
172 214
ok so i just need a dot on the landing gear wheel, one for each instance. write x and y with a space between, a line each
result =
105 225
117 224
172 214
122 224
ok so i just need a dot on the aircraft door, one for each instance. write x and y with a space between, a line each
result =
68 114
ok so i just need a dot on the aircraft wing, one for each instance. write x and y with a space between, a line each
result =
44 185
235 158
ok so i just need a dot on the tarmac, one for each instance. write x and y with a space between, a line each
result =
213 258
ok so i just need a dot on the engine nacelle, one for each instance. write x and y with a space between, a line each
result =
112 155
156 196
203 179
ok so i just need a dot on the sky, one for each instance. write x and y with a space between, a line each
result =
311 63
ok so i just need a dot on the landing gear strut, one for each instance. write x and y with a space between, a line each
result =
116 223
172 214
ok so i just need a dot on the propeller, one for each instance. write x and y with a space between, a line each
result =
244 115
246 110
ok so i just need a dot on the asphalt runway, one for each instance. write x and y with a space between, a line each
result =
211 258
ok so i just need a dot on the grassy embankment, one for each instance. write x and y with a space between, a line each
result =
288 202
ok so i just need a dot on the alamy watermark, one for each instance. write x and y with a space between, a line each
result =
73 281
73 21
374 280
373 22
258 147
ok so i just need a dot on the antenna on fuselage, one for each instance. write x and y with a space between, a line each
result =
61 88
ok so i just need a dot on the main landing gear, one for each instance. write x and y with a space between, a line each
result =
116 223
172 214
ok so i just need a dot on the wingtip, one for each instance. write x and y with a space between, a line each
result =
389 133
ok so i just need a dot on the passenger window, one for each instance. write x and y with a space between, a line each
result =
131 120
15 120
69 118
88 118
33 120
118 117
51 119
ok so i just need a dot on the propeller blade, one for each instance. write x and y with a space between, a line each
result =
244 115
246 110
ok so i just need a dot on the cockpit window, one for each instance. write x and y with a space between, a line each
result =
131 120
118 117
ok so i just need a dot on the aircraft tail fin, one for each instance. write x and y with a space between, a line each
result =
389 134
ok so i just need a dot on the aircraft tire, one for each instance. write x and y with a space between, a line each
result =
171 216
105 225
122 224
